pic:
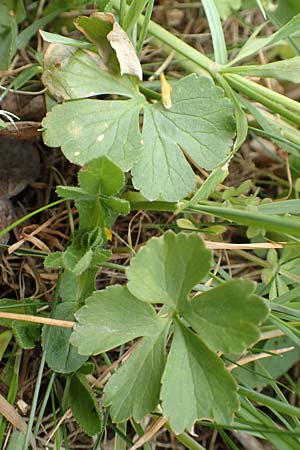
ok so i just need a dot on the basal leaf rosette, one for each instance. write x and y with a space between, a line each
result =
159 144
190 380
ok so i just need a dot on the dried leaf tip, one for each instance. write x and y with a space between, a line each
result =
166 90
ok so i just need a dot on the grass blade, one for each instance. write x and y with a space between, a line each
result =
216 30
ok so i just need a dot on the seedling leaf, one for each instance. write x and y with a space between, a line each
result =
167 268
195 383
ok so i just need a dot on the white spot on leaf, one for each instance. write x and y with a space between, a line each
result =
100 138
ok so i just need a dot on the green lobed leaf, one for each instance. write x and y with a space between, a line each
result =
84 405
195 384
167 268
71 193
110 318
227 317
98 180
101 176
118 205
61 356
71 74
199 124
88 129
133 390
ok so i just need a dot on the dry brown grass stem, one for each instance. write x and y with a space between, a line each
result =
36 319
227 246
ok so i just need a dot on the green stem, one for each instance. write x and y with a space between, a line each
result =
121 437
272 95
44 404
113 266
251 218
139 430
248 428
185 439
133 13
274 101
149 93
34 401
122 12
269 402
276 137
255 259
